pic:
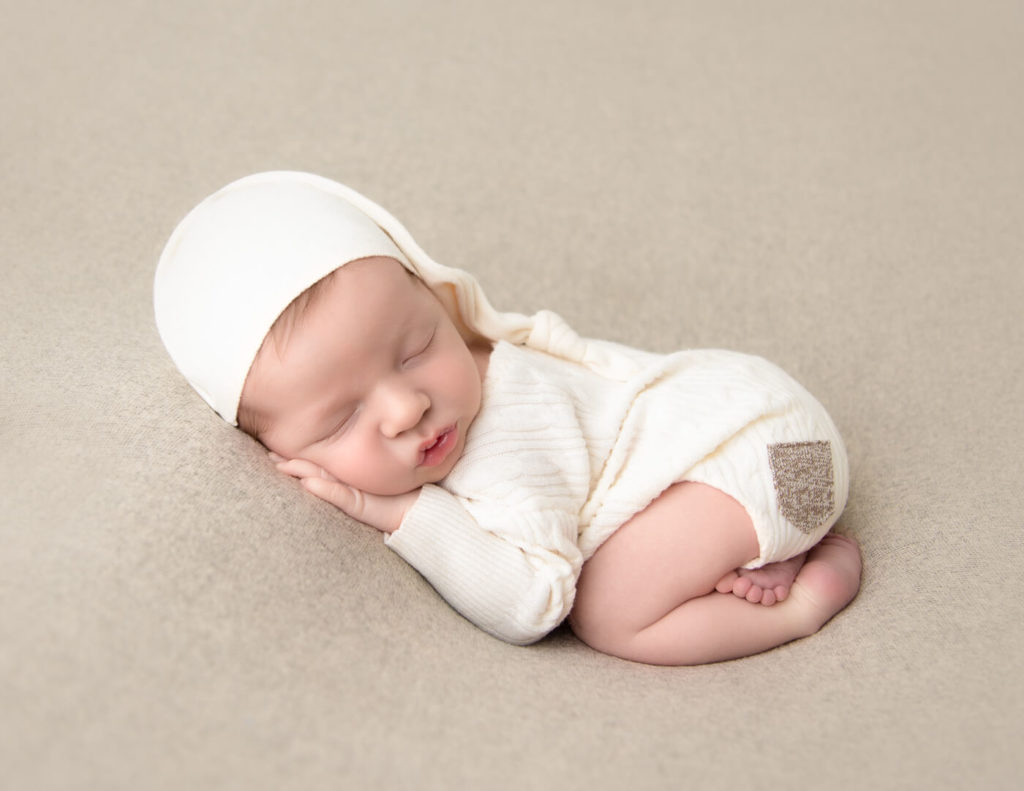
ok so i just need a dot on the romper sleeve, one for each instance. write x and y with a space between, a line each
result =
514 578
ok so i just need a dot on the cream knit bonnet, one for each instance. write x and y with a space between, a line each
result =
243 254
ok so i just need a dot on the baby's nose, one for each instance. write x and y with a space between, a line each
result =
403 408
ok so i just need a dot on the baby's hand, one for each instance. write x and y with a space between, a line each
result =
384 512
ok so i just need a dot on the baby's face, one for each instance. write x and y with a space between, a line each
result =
374 383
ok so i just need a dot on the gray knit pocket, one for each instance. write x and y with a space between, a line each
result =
802 473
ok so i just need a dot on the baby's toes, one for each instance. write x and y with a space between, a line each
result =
755 594
725 585
744 588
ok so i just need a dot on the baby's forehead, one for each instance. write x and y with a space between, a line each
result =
374 288
374 273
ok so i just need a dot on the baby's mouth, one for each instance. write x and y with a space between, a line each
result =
435 452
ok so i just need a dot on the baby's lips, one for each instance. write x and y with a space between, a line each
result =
429 443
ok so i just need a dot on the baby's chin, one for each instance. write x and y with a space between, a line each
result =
423 476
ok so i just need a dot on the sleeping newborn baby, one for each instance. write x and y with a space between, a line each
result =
674 508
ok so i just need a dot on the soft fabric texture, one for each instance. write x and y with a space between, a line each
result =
561 456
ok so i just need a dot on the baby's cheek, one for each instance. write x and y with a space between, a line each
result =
449 373
340 463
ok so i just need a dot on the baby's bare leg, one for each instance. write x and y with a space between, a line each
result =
648 593
674 550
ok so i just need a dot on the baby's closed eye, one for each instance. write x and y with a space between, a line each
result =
420 348
345 421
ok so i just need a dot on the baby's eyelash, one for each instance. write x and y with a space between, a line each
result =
423 347
340 426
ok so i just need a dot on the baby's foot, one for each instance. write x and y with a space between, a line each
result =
828 580
766 585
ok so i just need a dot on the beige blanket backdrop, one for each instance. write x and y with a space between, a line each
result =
835 186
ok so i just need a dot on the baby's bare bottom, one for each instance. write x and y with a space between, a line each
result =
648 594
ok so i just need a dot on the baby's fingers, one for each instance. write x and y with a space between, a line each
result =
300 468
351 501
384 512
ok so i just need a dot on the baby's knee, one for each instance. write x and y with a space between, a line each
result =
600 631
599 621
